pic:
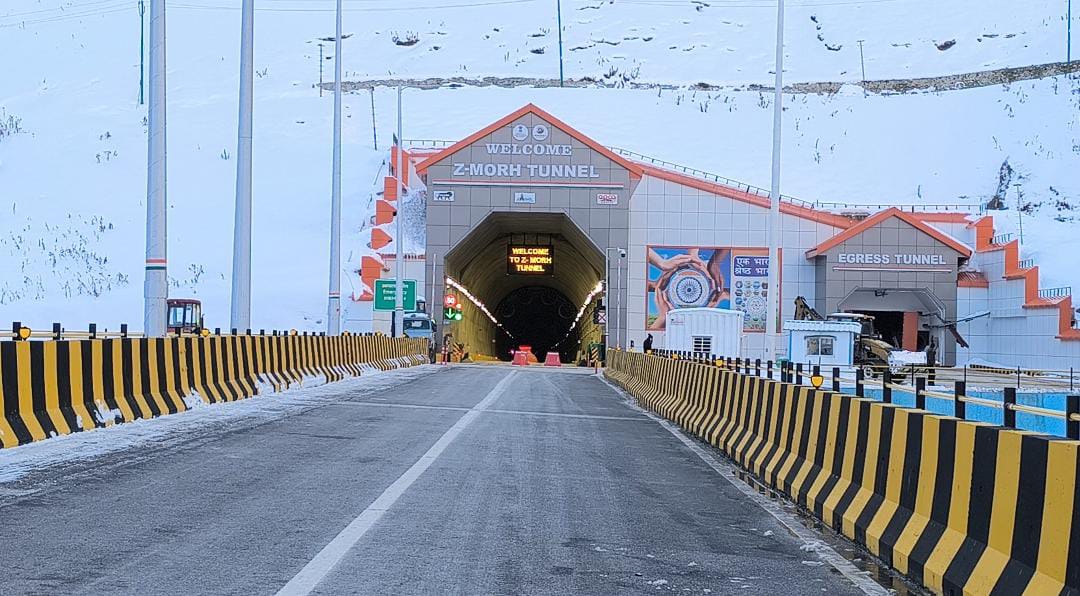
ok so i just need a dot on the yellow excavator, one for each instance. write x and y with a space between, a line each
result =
870 349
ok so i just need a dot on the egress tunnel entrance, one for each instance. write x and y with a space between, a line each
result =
532 273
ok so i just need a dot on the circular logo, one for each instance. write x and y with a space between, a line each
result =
540 132
521 132
756 307
688 288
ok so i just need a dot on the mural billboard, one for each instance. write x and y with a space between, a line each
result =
714 277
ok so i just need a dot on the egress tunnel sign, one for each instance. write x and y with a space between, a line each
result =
530 259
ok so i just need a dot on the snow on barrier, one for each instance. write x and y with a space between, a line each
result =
961 507
50 388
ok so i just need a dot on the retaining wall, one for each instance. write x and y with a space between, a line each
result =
50 388
961 507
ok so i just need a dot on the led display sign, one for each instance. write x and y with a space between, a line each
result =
530 259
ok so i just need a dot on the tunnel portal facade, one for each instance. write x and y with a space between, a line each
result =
522 221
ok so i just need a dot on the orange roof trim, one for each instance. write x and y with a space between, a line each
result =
634 168
972 279
944 217
831 219
911 219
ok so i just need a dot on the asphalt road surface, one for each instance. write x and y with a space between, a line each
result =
458 480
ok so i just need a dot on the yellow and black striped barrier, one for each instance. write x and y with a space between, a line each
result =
50 388
961 507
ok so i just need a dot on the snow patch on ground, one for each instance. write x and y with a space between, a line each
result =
202 420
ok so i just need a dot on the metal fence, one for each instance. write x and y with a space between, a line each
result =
750 188
20 332
920 383
1055 292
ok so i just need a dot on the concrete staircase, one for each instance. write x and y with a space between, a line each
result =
1026 325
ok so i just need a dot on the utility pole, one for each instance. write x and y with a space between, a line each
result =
775 225
862 60
558 15
241 265
374 132
1068 32
333 313
155 285
1020 211
399 239
142 49
320 69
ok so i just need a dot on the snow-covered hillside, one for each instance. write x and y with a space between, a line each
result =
72 143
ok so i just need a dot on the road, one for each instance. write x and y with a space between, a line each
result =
459 480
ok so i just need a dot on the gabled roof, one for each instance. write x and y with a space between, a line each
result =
634 168
909 218
824 217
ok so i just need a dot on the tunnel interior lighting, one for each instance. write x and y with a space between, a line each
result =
453 283
585 306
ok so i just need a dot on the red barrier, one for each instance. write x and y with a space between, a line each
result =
552 359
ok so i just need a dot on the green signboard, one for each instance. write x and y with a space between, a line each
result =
386 294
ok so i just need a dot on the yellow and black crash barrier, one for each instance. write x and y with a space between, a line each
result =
961 507
50 388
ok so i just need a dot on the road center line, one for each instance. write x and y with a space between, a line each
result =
331 554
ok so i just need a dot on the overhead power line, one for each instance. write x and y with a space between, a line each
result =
95 8
61 9
67 16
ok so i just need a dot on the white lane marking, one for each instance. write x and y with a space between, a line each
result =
495 411
404 406
562 415
331 554
722 469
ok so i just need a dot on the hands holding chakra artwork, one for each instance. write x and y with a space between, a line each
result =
686 281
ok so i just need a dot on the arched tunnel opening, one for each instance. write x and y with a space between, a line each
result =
542 318
504 307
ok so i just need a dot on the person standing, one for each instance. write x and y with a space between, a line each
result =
646 345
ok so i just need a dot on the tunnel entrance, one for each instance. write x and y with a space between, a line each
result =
525 279
540 316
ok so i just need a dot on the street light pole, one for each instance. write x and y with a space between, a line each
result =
775 225
333 308
607 295
399 240
558 14
619 339
241 265
155 284
142 50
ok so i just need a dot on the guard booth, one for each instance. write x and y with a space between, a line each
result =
825 343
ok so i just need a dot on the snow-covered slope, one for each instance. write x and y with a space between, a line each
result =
72 181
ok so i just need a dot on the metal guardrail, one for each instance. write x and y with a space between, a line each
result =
696 173
1027 264
819 378
920 208
1055 292
428 143
1001 239
747 188
19 332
